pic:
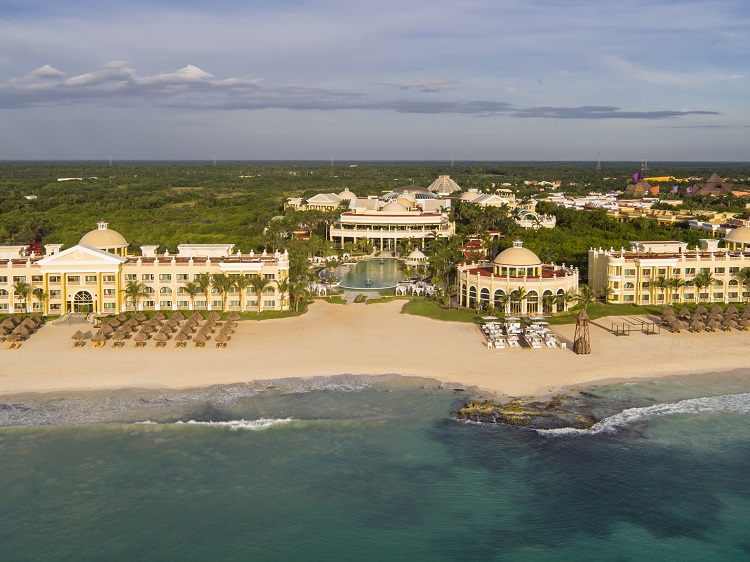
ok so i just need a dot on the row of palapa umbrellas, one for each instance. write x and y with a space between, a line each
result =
702 319
141 329
13 329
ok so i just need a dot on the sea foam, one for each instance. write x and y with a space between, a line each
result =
232 425
709 404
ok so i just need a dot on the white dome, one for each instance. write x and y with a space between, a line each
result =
394 207
104 238
416 255
739 235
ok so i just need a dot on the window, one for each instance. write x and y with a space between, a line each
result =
53 279
3 306
689 271
149 290
734 270
37 278
55 307
269 275
251 303
200 303
165 291
109 292
17 278
646 272
54 294
644 298
719 269
676 271
689 296
234 303
74 279
109 305
3 293
269 290
217 304
130 277
269 304
165 304
108 278
662 271
90 278
705 269
646 285
183 304
3 278
183 277
147 277
165 277
628 286
149 303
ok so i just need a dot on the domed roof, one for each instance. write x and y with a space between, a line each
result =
408 196
739 235
394 207
104 238
416 255
517 256
348 195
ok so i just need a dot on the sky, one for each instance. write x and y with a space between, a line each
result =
375 80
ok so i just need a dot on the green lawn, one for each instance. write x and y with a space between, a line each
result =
431 309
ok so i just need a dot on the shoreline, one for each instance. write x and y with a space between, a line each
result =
366 340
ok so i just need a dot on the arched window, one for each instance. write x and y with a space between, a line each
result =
628 285
560 300
548 301
165 291
3 293
500 300
484 297
532 303
472 297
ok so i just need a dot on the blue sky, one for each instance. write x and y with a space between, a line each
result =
416 79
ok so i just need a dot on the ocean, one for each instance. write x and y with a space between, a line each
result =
374 468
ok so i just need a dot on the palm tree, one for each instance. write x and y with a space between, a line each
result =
297 291
241 283
23 289
566 298
675 284
585 297
743 276
134 292
704 279
41 297
259 284
284 286
204 282
661 283
192 289
517 296
223 284
501 302
548 302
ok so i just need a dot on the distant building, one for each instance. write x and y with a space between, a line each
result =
91 276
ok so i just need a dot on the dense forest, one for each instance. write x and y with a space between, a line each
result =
169 203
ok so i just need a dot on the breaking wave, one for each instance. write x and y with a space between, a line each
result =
710 404
232 425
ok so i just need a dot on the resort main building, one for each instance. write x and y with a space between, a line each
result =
517 281
637 275
91 276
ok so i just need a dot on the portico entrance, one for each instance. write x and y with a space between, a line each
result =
83 302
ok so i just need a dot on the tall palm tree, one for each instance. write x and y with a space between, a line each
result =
297 291
585 297
675 284
23 290
241 283
134 292
223 284
518 296
192 289
743 276
41 297
661 283
259 284
283 285
204 282
566 298
704 279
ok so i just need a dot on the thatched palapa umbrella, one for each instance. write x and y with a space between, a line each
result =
731 309
141 336
222 338
233 316
744 323
200 338
79 336
140 317
14 337
728 325
106 329
178 316
114 322
713 324
119 335
161 336
716 308
197 316
213 315
696 326
182 336
676 326
700 309
122 317
160 316
98 337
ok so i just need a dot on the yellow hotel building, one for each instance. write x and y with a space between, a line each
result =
631 274
91 276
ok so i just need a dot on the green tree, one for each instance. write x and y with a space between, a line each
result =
241 283
23 290
204 282
675 285
191 288
585 297
259 284
704 279
41 298
743 276
284 286
222 283
134 292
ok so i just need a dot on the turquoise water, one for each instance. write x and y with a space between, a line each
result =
373 469
373 274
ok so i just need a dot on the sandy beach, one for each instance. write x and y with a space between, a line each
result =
334 339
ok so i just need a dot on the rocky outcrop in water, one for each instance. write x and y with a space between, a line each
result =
527 412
